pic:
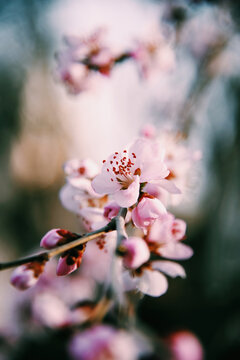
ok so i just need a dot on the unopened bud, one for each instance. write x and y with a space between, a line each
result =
56 237
25 276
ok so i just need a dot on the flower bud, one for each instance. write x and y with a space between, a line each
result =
56 237
136 252
25 276
70 260
147 211
111 210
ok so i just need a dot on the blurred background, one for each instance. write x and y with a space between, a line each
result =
41 126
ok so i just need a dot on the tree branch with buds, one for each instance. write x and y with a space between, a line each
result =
115 224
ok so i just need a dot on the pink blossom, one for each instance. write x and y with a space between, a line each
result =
136 252
80 58
149 282
149 278
92 218
25 276
165 235
78 193
73 75
50 310
154 54
56 237
169 268
175 251
147 211
103 250
122 173
167 229
184 345
103 342
179 159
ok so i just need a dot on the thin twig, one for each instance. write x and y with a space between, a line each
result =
46 255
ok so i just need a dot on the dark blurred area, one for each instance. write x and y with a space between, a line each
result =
207 302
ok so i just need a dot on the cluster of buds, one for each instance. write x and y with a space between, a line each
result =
82 57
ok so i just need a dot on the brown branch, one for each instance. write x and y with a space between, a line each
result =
47 255
116 223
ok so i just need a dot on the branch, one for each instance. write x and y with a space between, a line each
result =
47 255
120 225
116 223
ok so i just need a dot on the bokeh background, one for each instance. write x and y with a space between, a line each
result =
41 126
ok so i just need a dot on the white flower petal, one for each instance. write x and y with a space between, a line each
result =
152 283
169 186
170 268
175 251
153 170
129 282
71 197
103 184
128 197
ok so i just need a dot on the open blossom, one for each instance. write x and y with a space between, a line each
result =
149 278
122 173
164 235
147 211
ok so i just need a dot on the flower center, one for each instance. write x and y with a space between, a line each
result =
122 166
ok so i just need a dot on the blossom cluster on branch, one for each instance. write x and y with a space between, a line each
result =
84 57
124 208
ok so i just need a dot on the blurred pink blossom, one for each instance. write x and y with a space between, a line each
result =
103 342
184 345
136 252
154 54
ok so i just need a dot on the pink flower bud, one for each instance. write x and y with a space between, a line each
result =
147 211
25 276
56 237
137 252
111 210
70 261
